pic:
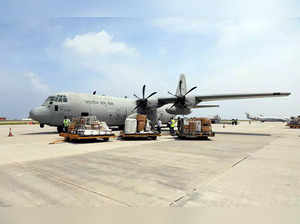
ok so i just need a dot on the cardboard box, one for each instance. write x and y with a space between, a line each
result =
141 117
141 126
192 126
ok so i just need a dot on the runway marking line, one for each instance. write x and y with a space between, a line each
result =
187 194
241 160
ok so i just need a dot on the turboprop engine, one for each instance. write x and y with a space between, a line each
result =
177 110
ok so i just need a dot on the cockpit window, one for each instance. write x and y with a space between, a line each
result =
48 100
59 99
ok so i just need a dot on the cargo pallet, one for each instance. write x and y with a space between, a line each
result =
72 137
151 136
202 135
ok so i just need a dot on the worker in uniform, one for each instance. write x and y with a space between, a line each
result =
66 124
159 124
172 126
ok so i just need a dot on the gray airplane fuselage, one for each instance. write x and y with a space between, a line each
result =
112 110
270 119
266 119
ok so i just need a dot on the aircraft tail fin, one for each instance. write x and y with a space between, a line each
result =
181 87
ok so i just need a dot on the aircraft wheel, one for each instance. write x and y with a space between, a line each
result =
60 129
42 125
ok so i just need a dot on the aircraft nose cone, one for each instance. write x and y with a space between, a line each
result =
33 113
37 113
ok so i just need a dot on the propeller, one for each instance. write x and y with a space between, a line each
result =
141 103
181 98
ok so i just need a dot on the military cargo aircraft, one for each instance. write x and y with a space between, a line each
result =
114 110
262 118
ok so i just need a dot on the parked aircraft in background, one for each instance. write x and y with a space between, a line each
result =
114 110
216 119
266 119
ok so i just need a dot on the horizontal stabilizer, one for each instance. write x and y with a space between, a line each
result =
204 106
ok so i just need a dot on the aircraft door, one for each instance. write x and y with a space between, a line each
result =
58 110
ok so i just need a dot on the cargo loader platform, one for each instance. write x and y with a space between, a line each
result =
294 125
201 135
72 137
144 135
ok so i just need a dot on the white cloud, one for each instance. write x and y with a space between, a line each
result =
116 70
247 55
100 43
36 82
22 95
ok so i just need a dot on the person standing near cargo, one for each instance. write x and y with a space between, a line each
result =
172 126
66 123
159 124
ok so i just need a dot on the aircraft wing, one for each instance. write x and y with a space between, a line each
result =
205 98
238 96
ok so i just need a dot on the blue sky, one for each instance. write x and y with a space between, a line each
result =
116 47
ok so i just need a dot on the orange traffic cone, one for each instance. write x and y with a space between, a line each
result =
10 133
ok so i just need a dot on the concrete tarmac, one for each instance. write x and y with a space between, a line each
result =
244 165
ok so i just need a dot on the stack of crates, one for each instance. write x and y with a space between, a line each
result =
141 122
194 126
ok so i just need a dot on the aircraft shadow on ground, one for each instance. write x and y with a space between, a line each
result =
135 139
241 133
193 139
42 133
86 141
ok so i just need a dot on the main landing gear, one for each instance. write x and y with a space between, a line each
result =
60 129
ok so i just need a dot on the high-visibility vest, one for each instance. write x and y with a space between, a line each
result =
172 123
66 122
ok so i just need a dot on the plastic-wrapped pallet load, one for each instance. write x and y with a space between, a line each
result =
148 126
198 126
186 126
130 126
103 126
91 132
